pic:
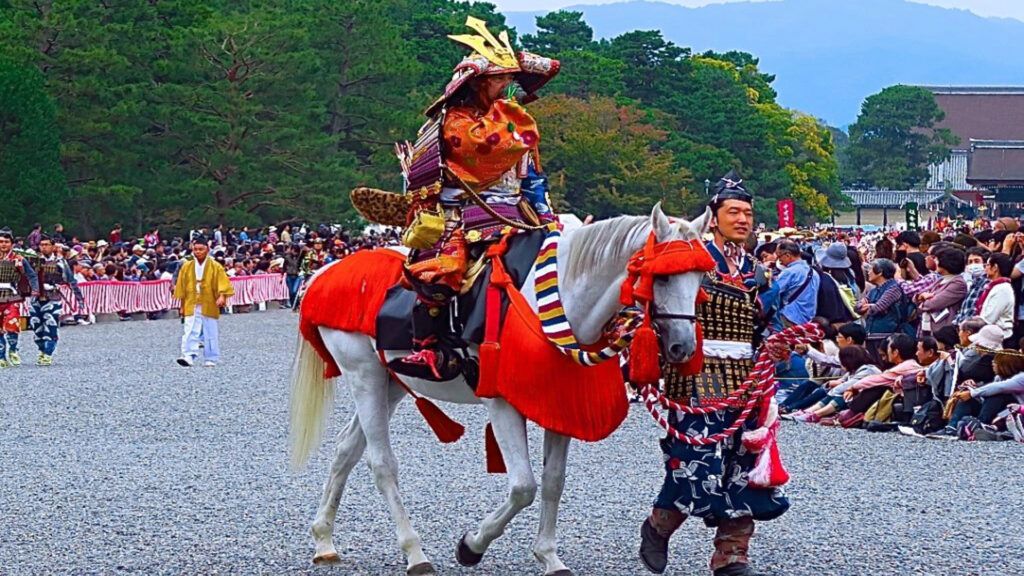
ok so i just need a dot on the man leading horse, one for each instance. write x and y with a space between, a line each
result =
712 482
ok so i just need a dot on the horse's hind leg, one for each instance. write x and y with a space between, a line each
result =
370 389
545 548
351 443
510 432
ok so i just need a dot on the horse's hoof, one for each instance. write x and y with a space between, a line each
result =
328 558
565 572
465 556
422 569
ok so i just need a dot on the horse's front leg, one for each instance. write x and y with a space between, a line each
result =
510 432
351 443
545 548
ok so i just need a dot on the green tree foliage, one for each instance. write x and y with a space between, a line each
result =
174 113
606 160
585 70
894 139
31 181
559 33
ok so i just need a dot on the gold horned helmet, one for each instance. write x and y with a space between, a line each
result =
498 51
495 55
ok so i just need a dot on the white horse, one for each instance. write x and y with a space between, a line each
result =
592 265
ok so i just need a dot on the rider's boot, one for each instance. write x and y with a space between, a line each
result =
431 358
654 535
732 546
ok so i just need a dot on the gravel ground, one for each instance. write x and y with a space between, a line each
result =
116 460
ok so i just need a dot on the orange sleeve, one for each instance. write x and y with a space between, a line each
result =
480 149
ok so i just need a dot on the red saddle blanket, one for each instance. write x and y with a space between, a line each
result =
347 296
547 387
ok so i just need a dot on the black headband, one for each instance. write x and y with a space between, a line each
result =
730 187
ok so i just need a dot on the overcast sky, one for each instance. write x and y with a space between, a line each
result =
1000 8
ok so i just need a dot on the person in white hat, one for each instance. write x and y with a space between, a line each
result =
990 337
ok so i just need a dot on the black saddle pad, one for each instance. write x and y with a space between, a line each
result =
394 322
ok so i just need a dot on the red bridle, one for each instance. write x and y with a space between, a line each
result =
662 259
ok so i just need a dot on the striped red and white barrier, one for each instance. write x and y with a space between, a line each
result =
111 297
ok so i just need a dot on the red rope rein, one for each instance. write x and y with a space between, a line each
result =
758 388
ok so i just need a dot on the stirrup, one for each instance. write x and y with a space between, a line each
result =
425 357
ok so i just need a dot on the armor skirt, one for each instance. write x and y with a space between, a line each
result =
710 482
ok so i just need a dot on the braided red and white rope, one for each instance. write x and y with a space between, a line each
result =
759 385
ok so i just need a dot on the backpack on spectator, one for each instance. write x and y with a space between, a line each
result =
850 419
881 411
907 316
831 304
928 418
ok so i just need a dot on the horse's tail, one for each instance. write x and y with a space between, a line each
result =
343 296
312 397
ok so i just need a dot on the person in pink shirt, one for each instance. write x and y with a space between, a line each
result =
901 352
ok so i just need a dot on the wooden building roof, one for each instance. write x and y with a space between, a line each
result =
981 112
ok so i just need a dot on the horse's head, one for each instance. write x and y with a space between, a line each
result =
675 296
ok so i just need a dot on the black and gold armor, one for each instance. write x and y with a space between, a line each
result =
729 321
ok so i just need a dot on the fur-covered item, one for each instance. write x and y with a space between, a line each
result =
347 296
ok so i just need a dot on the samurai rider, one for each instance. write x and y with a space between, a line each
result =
474 170
18 280
46 309
711 482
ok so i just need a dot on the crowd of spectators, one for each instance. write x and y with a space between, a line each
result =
927 337
294 250
924 331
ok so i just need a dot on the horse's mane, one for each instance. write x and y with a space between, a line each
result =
612 239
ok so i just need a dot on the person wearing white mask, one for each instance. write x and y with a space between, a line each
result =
976 279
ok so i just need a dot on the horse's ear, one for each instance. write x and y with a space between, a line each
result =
700 225
660 224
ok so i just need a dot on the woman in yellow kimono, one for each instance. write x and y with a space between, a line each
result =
202 288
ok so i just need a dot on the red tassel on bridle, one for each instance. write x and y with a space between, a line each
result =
644 363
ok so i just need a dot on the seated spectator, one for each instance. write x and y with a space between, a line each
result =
940 305
835 261
847 335
977 280
987 401
902 355
858 365
884 307
797 287
826 362
826 349
909 242
996 302
916 390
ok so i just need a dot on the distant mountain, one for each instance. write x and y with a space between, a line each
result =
829 55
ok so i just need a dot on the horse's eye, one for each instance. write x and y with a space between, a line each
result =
662 280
